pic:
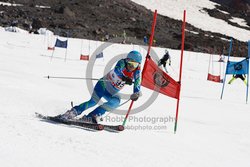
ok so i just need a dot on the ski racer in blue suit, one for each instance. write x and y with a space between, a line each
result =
125 72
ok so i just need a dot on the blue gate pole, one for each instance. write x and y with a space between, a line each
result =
248 70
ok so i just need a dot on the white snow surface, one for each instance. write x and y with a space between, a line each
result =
196 16
9 4
211 132
239 21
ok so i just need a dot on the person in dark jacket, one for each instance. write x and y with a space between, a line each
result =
164 60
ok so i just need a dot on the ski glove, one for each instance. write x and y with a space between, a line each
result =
135 96
127 80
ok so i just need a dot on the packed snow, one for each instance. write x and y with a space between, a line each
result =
211 131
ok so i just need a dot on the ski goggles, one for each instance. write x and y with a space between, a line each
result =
132 64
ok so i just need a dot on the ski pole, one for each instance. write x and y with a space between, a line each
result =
54 77
129 109
94 79
124 103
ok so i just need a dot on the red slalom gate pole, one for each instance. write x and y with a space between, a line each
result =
125 120
182 50
152 33
149 46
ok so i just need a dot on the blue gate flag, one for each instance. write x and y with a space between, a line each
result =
100 55
238 67
61 44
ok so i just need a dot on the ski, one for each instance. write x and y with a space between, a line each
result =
57 119
113 128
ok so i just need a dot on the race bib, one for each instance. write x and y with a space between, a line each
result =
116 81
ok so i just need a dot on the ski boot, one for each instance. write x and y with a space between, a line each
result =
70 114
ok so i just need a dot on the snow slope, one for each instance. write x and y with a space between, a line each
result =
196 16
211 132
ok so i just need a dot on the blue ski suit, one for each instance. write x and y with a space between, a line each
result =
108 88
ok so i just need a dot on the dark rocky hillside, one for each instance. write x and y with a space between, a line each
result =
107 19
236 8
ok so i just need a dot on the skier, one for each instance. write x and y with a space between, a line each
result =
163 61
241 76
125 71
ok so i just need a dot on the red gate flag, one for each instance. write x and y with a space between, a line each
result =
51 48
84 57
215 78
156 79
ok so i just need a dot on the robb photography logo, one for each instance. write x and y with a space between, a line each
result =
115 58
144 119
142 123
